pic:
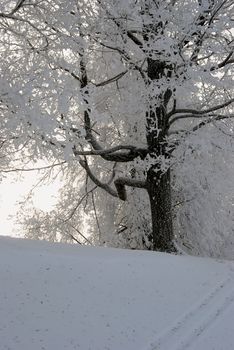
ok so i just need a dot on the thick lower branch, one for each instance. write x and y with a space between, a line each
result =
110 154
121 182
97 182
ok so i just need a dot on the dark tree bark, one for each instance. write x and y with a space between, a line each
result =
159 191
158 183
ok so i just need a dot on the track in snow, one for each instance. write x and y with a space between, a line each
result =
197 320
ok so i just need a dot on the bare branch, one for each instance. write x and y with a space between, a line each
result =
70 72
74 239
96 216
78 204
80 233
33 169
111 80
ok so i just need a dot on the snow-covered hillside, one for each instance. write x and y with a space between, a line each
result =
56 296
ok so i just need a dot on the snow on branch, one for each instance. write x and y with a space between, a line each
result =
19 4
129 33
225 62
134 150
97 148
212 119
17 7
192 113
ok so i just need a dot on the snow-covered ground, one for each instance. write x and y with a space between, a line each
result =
55 296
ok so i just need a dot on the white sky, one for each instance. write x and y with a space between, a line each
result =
11 192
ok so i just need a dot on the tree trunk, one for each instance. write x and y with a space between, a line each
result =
158 182
159 191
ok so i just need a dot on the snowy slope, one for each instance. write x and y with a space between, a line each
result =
55 297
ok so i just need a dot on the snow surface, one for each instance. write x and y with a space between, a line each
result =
57 296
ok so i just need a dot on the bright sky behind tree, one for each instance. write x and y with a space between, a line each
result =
12 192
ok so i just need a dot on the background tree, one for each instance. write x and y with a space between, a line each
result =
121 89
